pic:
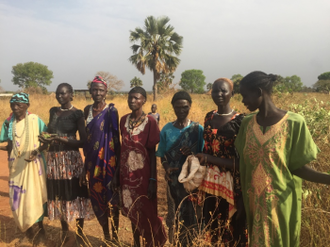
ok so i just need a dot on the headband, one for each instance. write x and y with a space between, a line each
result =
99 79
20 98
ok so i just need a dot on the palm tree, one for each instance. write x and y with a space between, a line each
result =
136 81
155 47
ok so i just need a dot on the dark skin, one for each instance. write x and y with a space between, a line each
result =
99 92
135 102
19 111
268 115
222 92
64 98
181 109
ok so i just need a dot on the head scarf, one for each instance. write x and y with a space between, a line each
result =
17 98
231 84
139 90
99 79
20 98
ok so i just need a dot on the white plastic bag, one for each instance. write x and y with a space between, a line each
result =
192 173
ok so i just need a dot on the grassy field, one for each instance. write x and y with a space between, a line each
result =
314 107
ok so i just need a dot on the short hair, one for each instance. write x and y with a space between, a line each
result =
67 85
259 79
181 95
231 84
139 90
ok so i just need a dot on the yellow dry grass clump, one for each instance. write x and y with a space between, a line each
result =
316 200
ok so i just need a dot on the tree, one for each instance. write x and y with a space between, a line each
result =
155 47
324 76
323 83
31 74
165 80
136 81
209 86
322 86
236 79
113 82
193 81
288 84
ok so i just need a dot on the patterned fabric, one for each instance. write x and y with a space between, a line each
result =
222 186
20 98
99 79
27 180
66 199
171 140
100 159
134 179
272 194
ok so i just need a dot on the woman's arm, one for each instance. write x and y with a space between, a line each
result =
82 134
219 162
311 175
4 148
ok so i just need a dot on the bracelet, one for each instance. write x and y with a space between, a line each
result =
152 179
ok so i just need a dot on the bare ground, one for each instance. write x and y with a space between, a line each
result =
10 235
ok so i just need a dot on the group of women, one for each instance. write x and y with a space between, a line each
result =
250 195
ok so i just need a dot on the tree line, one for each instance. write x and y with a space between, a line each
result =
156 47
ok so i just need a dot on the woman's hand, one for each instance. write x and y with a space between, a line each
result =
82 178
202 158
152 191
168 172
185 150
32 156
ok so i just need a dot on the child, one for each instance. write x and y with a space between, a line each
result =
275 147
154 113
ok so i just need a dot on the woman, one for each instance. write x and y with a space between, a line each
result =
27 180
177 140
274 145
66 187
137 172
223 207
102 152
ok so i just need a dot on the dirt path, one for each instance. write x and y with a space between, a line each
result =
10 235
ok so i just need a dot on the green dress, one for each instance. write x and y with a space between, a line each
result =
271 193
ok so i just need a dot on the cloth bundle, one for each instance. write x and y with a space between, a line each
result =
192 173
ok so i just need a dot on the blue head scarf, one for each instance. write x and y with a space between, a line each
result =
17 98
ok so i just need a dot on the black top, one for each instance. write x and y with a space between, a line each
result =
66 126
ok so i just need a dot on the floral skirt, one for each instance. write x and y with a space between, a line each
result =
67 200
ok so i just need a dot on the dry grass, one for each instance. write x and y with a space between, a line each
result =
316 202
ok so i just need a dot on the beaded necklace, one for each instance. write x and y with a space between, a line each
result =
16 151
132 124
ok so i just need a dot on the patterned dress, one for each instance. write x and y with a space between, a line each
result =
272 194
66 199
27 180
100 159
134 178
222 186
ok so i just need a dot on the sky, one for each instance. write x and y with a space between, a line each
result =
78 38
